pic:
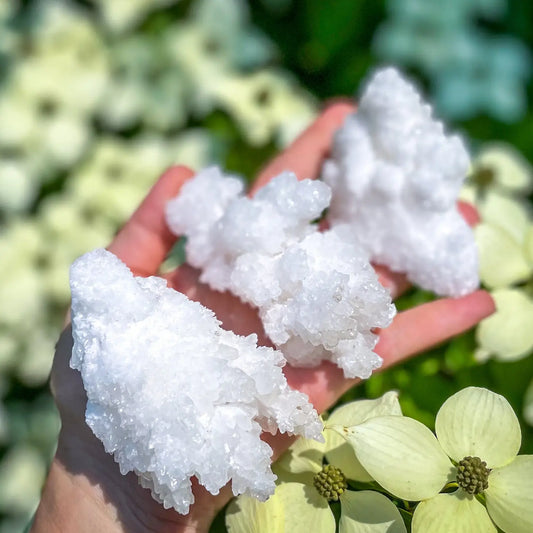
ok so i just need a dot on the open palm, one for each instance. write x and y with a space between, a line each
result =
143 244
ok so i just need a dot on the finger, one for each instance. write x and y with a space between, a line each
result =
424 326
469 213
411 332
145 240
396 282
306 154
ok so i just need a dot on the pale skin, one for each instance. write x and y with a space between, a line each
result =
85 491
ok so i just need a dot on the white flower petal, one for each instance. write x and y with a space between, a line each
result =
507 334
304 509
507 212
338 451
446 513
502 261
304 455
480 423
248 515
468 194
528 244
510 495
368 511
402 455
511 169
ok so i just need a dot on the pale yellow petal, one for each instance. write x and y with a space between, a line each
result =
338 452
368 511
479 423
506 212
248 515
528 244
502 261
305 510
402 455
510 495
481 355
304 455
468 194
511 170
508 334
452 513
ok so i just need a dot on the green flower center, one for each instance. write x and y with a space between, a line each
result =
330 482
473 475
484 176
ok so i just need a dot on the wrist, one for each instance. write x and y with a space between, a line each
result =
85 492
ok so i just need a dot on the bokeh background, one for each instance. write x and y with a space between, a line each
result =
97 97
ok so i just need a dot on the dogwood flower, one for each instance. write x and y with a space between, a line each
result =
507 334
299 508
145 87
475 452
300 502
499 167
266 104
122 15
499 179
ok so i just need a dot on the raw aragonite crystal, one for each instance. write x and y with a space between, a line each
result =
172 395
395 177
317 295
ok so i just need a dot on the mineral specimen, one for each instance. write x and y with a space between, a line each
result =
172 395
316 293
395 177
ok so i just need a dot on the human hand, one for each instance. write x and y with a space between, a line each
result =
85 490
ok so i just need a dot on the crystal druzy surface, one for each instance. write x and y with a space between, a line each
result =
395 176
316 293
172 395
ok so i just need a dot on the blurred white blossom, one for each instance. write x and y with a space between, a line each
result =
48 98
470 70
267 104
216 42
123 15
22 472
145 86
499 180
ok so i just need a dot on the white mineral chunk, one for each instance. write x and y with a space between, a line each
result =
172 395
395 177
316 293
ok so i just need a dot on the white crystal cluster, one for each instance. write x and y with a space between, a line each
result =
172 395
317 295
395 177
